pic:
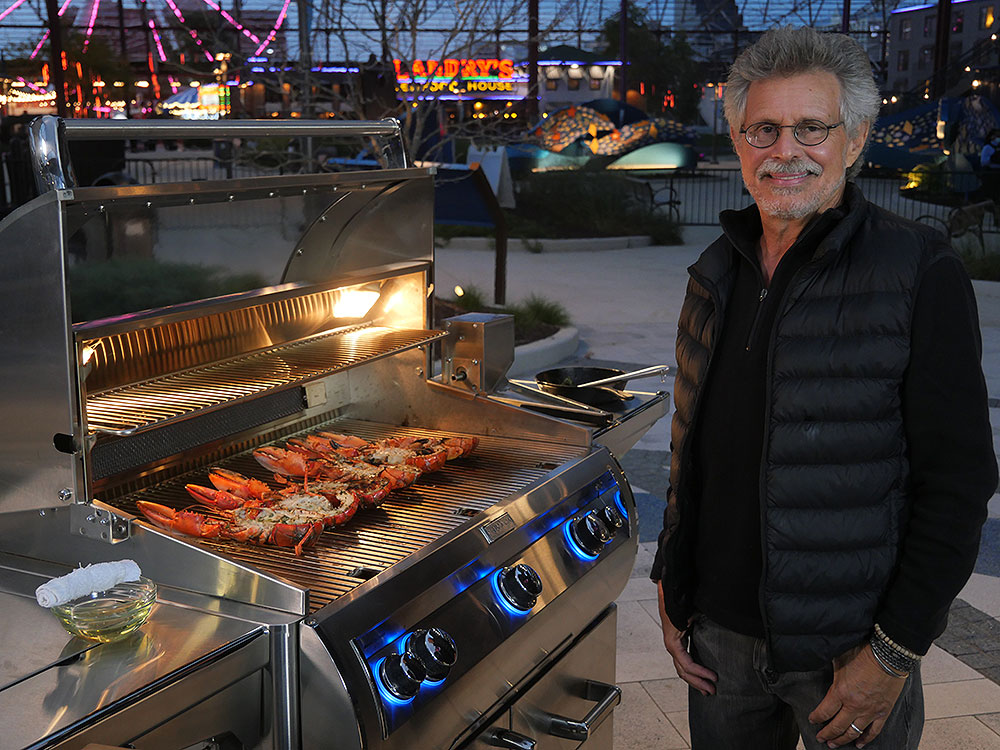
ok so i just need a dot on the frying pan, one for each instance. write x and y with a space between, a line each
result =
562 382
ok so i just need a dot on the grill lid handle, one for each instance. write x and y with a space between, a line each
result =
50 161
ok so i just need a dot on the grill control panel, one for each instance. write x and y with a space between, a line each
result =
410 664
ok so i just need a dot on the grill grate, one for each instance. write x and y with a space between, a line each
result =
167 399
408 520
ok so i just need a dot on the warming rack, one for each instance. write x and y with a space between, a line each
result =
163 400
408 519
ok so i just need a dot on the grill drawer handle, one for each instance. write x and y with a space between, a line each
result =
508 738
607 697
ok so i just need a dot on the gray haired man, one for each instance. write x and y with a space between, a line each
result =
832 455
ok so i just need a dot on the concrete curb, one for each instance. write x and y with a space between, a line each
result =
538 355
551 246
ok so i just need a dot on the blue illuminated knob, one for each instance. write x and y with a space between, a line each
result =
435 649
612 519
591 533
520 586
402 674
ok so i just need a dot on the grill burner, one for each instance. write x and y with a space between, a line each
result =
409 518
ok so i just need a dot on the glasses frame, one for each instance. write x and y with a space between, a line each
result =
745 132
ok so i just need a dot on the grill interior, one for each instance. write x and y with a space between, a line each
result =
163 400
407 520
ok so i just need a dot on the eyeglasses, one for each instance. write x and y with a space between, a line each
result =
806 132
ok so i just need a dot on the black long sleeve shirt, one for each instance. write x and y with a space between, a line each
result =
948 433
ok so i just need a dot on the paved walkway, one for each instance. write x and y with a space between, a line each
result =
625 304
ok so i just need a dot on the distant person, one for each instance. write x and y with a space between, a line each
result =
832 455
989 165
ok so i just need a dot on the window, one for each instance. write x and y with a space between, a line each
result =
551 84
926 61
573 84
957 22
954 51
903 60
986 17
595 84
929 26
905 28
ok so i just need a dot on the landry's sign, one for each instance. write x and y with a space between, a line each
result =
476 76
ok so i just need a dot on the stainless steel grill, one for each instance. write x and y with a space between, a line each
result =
509 559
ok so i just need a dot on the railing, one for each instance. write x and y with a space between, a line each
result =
696 198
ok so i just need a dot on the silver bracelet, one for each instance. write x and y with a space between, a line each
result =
891 662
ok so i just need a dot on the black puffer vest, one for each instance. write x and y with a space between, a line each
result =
833 481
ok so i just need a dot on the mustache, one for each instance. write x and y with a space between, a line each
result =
794 166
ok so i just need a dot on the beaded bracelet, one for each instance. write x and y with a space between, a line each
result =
904 651
877 646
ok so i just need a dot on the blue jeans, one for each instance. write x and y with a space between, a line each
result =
756 708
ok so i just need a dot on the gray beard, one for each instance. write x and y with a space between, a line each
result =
805 205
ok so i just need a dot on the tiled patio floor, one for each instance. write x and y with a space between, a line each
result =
962 705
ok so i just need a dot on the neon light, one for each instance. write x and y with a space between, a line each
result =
383 690
156 38
65 5
32 86
17 4
274 31
232 21
90 26
38 49
176 11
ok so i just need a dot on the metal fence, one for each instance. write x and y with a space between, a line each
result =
696 198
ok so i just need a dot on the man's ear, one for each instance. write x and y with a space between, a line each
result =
856 144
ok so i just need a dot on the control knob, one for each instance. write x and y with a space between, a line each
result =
435 649
402 674
520 585
612 519
591 533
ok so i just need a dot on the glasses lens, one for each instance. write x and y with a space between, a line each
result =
762 134
811 132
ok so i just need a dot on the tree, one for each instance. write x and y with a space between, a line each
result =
668 71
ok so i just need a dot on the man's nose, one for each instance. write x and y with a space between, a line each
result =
786 143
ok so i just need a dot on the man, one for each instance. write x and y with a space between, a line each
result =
832 456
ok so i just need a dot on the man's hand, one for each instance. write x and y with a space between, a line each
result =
700 678
862 694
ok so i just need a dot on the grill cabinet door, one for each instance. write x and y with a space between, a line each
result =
577 684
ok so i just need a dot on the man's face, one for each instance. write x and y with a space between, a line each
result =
788 180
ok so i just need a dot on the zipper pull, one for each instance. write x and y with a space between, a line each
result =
756 319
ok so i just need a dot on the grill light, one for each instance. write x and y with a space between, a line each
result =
354 303
87 354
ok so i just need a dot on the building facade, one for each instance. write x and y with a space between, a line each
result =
912 34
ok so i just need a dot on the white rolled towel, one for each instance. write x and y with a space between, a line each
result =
82 581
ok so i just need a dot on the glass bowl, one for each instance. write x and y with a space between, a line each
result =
108 615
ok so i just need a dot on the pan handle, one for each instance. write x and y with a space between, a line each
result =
48 136
645 372
607 697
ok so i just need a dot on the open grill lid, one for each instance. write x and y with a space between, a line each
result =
258 267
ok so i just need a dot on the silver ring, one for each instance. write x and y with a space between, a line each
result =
859 731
